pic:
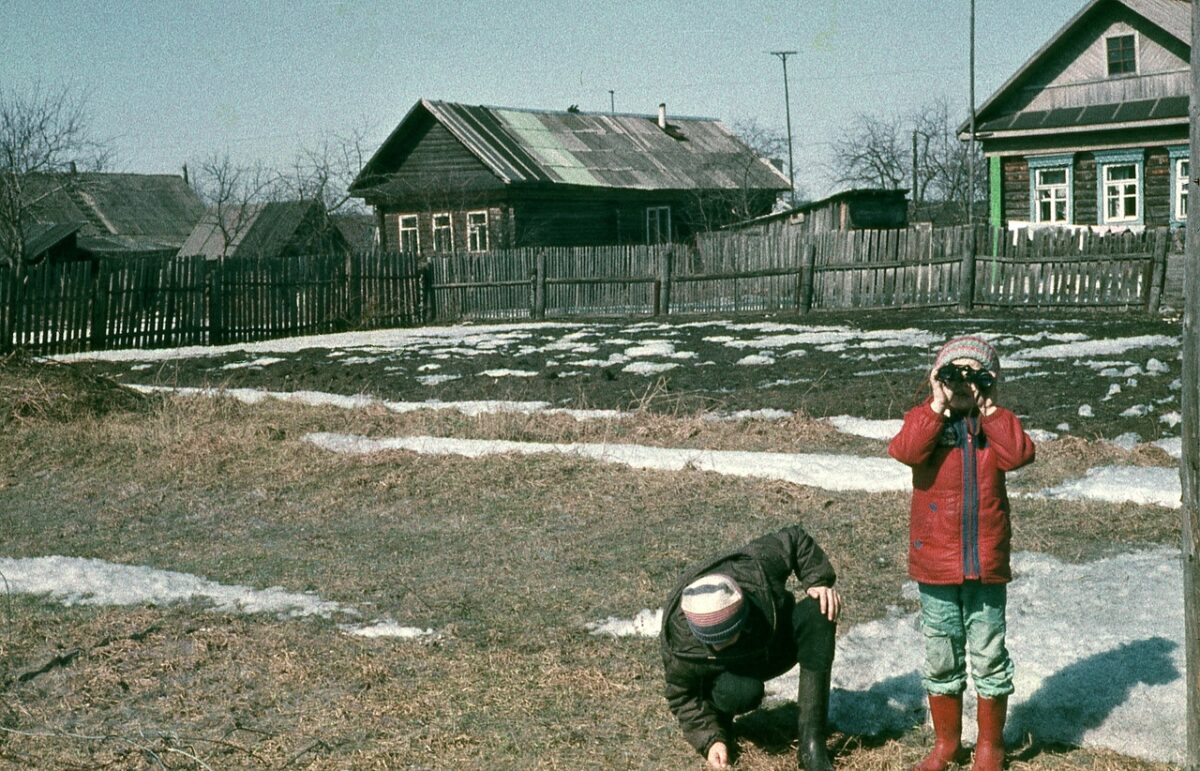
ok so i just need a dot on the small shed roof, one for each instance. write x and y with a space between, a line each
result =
603 150
858 194
256 230
43 236
128 211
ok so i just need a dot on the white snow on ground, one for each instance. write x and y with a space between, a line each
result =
80 581
1099 652
1140 484
74 580
1172 446
1079 349
829 472
322 399
871 429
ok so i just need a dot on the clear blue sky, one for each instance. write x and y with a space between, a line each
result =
173 81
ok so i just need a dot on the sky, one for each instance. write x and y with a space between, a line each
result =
177 82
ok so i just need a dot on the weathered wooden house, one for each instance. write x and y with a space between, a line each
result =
857 209
1093 129
455 177
114 214
264 230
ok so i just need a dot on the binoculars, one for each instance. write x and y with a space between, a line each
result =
952 373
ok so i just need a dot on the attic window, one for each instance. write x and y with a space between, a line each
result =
1122 55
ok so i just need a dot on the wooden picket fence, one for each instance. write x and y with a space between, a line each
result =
166 302
770 272
146 303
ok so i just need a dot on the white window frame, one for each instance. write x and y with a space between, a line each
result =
435 229
654 214
1179 159
413 231
1107 190
1136 55
477 232
1043 163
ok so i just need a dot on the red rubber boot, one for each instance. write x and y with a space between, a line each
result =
989 748
946 712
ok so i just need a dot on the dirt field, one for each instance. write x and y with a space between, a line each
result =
506 557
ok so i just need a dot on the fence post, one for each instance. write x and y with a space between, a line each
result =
354 284
804 285
1158 271
216 304
664 282
966 289
428 297
8 299
539 285
99 293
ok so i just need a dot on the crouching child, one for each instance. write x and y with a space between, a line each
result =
731 624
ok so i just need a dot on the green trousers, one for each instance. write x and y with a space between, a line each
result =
965 620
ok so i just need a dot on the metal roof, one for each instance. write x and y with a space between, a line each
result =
522 146
1164 109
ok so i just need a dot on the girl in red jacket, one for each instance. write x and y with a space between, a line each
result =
960 443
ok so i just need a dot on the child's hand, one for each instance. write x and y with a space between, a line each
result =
941 395
985 400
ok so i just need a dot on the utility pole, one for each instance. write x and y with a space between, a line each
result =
966 300
1189 467
787 103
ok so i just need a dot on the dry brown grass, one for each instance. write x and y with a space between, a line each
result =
507 557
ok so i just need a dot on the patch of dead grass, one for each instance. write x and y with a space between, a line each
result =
508 557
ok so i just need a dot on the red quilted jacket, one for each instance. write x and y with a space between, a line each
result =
959 522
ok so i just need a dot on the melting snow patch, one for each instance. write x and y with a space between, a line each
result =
648 367
755 360
1085 411
1126 441
387 629
1172 419
80 581
646 623
829 472
1138 484
872 429
508 373
1172 446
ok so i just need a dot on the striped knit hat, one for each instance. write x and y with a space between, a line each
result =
969 347
714 608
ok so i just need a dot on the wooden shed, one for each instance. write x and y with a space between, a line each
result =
857 209
455 177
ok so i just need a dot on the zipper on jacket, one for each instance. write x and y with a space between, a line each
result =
970 504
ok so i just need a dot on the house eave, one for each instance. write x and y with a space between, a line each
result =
984 136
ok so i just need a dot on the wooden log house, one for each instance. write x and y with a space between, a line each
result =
460 178
1093 129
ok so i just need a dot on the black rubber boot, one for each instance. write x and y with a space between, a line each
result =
812 700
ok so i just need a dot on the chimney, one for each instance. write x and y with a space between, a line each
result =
74 170
185 175
662 115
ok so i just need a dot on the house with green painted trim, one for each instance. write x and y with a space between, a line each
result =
463 178
1093 129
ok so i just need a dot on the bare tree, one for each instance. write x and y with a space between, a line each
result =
745 198
325 171
232 192
42 131
921 152
943 164
871 153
